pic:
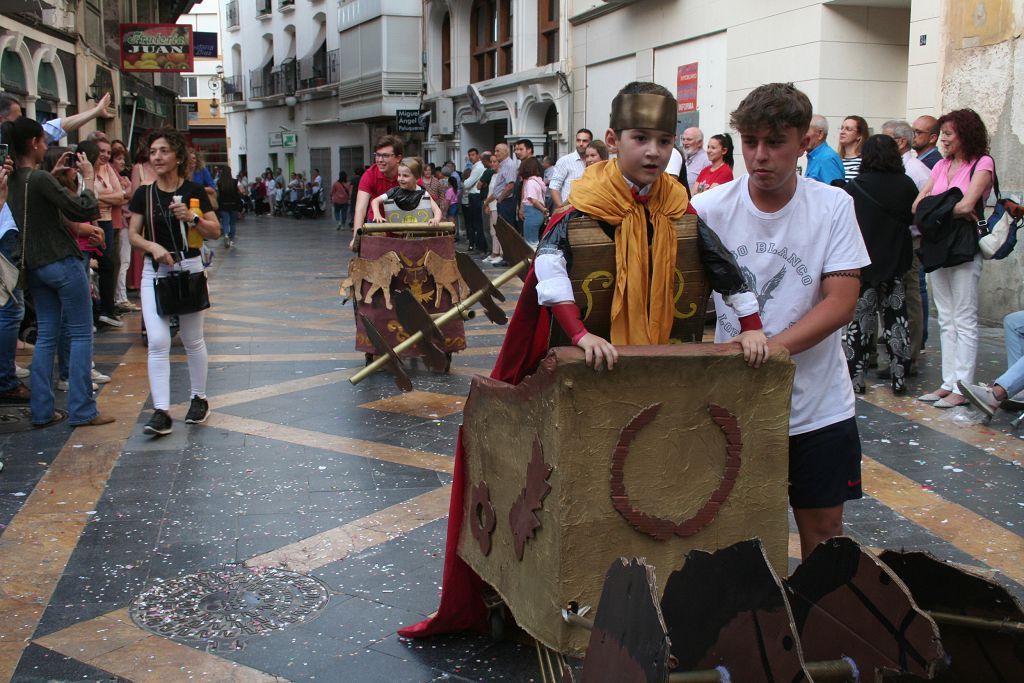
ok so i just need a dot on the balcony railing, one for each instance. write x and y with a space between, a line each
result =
285 5
274 81
259 83
231 14
318 69
286 78
234 91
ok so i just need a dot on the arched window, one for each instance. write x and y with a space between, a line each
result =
12 73
491 41
547 32
446 51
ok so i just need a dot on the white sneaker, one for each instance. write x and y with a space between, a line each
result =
21 373
112 322
98 377
62 385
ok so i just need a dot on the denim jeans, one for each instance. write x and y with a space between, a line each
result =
533 219
228 221
475 222
341 213
62 286
10 320
1013 379
507 210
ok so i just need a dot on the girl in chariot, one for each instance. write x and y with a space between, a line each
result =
407 203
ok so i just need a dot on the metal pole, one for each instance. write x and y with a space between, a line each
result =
131 127
456 311
978 623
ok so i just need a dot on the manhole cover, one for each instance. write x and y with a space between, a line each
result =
19 419
222 607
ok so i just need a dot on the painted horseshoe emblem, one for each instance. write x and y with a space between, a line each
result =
657 527
483 519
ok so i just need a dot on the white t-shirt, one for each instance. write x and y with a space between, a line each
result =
782 256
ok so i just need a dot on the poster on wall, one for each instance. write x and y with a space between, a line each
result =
156 47
686 88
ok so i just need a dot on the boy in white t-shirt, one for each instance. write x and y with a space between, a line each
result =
798 245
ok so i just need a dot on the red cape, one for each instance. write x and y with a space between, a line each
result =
526 343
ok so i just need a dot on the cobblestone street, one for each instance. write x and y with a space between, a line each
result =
337 496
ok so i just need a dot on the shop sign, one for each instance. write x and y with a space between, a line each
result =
410 121
156 47
686 88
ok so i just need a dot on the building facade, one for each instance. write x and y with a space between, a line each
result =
309 85
201 90
496 71
60 60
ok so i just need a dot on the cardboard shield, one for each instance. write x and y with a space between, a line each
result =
678 448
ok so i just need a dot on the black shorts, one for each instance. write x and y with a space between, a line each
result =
824 466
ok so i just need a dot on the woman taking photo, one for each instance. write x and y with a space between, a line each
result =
720 150
852 135
56 275
158 223
882 196
968 166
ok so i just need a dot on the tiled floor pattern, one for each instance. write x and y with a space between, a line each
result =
296 468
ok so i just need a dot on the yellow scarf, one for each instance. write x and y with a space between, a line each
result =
642 304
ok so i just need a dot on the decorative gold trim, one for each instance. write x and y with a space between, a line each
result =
597 274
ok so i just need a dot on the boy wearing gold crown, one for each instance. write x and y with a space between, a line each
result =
636 203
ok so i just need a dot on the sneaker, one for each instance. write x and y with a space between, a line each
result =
198 411
98 377
111 322
21 373
127 307
19 394
62 385
500 264
159 424
981 397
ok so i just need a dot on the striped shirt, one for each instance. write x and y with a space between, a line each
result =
851 167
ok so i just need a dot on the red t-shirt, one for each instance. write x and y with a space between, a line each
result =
707 177
375 183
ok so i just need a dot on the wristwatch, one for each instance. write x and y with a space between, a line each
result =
195 219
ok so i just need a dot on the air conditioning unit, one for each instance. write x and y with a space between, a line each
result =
445 116
181 117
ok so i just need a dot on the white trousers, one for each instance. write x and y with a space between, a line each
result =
955 293
125 246
158 332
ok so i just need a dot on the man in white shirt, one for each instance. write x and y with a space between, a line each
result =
475 207
917 315
568 168
798 244
694 155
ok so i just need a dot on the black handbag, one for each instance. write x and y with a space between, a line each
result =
179 292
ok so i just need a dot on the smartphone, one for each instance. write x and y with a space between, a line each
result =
3 154
72 160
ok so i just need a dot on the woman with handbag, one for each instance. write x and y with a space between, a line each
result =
173 277
967 166
882 196
52 263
